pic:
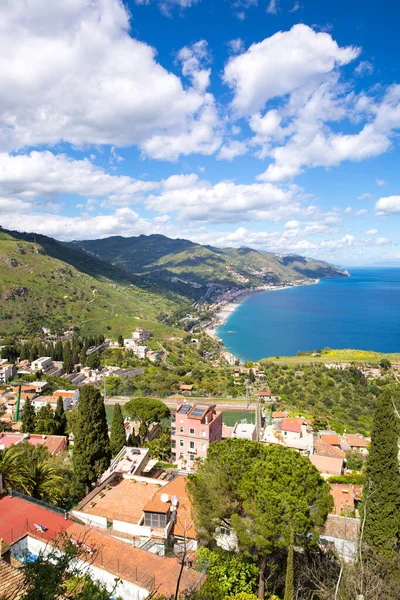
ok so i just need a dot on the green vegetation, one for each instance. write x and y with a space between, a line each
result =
146 411
157 257
33 471
29 417
117 434
381 494
267 494
340 399
46 284
327 355
91 454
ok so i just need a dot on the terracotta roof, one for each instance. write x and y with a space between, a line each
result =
293 425
328 450
357 441
19 517
333 440
124 500
226 431
344 495
135 565
185 387
328 465
278 414
54 443
343 528
11 582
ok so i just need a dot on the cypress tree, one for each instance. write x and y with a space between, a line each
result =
118 435
92 453
289 582
60 418
381 495
68 363
29 417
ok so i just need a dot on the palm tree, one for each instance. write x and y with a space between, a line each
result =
42 481
10 469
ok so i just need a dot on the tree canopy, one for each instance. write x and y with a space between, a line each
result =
92 453
266 494
117 434
146 411
381 494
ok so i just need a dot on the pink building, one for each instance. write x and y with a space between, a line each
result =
193 428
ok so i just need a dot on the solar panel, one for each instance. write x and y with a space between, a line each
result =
185 409
198 412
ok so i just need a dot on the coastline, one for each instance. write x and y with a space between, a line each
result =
226 309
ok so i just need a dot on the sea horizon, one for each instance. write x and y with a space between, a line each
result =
360 312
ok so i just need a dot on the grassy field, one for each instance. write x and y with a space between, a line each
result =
338 356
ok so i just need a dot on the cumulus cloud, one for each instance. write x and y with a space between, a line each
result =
380 182
236 45
362 212
46 174
390 205
371 232
231 150
267 70
72 72
272 8
167 6
365 196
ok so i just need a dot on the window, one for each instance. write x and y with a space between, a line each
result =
191 431
203 432
155 520
224 531
203 446
191 457
181 443
180 429
181 455
191 445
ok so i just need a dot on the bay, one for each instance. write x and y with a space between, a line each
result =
360 312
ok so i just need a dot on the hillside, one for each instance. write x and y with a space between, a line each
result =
190 268
46 284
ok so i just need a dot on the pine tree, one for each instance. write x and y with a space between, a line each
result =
92 453
381 494
120 341
118 435
289 582
29 417
60 418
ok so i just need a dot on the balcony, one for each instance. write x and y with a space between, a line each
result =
192 451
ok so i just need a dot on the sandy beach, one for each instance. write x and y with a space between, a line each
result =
223 312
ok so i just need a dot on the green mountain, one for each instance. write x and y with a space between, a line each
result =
114 284
45 283
190 268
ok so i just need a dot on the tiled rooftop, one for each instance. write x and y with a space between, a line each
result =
11 582
123 501
323 449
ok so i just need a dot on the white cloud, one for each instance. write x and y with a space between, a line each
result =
296 7
193 58
364 68
390 205
361 212
371 232
71 72
236 45
272 8
348 210
382 241
167 6
365 196
193 199
267 70
231 150
380 182
47 174
292 224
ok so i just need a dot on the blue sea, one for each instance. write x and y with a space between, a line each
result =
360 312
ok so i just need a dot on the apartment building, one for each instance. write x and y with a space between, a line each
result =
193 428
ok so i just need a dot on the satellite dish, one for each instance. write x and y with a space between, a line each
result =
174 500
164 497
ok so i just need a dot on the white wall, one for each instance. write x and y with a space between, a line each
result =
131 528
92 520
126 589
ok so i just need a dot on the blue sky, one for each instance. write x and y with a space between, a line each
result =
265 123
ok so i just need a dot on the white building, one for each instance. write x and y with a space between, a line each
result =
42 364
7 372
244 431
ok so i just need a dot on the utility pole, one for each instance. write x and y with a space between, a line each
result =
105 390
